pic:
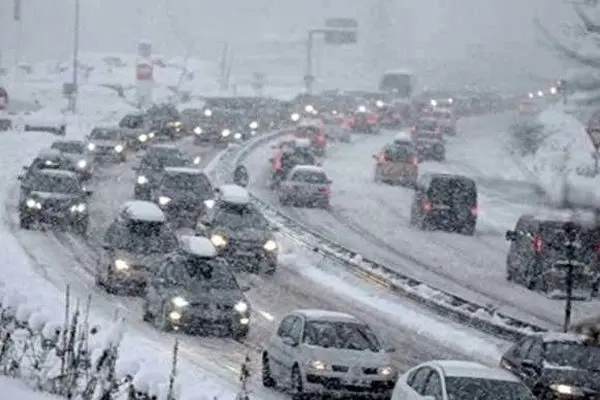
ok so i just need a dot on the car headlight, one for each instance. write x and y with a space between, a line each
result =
295 117
209 203
385 371
164 200
151 135
198 130
197 160
81 207
241 307
226 132
253 133
31 203
121 265
91 146
218 241
237 136
567 389
143 137
81 164
271 245
142 180
253 125
317 365
179 301
119 148
379 103
433 103
207 113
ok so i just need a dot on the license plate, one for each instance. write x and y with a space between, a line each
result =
357 382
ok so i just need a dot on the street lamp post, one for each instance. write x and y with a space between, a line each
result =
74 81
572 267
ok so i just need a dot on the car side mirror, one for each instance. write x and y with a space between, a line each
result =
511 236
20 178
88 192
290 341
245 288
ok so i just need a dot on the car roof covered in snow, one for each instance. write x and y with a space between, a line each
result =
57 172
470 369
397 71
139 210
403 137
326 315
309 123
234 194
565 337
198 246
49 153
300 142
309 168
183 170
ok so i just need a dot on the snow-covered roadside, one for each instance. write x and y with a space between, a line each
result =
563 165
14 389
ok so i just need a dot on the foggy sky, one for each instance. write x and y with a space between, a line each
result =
492 37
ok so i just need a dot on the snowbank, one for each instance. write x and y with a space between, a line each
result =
564 163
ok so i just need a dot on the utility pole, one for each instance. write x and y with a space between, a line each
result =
74 81
572 266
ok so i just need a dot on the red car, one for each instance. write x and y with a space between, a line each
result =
313 130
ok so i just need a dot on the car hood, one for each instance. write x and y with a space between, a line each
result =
572 376
74 157
247 234
133 258
203 295
53 196
350 358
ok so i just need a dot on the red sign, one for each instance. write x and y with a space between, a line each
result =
144 72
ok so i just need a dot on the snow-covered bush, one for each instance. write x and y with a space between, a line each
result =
526 136
67 356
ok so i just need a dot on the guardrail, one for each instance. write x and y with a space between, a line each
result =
481 317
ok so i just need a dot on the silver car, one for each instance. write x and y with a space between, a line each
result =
305 185
107 143
326 352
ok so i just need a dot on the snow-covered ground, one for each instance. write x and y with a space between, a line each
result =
13 389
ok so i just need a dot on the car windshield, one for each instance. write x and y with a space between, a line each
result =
141 237
574 355
340 335
399 153
427 125
69 147
105 134
458 190
298 158
55 184
245 216
307 176
202 273
306 131
158 162
441 114
462 388
196 183
132 121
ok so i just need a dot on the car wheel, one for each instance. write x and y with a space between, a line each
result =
161 321
108 284
267 377
469 229
510 273
81 227
25 222
271 268
146 314
239 333
296 384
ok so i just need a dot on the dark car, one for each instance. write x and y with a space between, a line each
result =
445 201
556 365
53 159
107 143
288 155
240 232
537 250
365 121
218 127
54 197
152 165
429 139
195 290
133 242
306 185
76 152
181 194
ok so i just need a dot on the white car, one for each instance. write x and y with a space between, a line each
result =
327 352
459 380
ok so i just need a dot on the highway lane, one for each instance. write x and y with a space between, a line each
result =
373 219
70 260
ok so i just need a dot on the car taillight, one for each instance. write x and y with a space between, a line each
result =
414 160
538 244
426 206
326 190
474 210
412 129
382 158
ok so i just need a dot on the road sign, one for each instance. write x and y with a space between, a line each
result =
339 37
341 23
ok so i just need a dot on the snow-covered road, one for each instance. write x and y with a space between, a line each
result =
373 218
